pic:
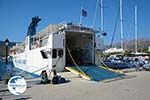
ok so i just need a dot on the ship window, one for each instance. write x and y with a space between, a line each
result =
54 54
48 53
60 53
44 55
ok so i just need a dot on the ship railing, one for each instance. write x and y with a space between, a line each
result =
76 28
39 42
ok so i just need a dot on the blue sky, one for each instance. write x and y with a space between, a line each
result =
15 16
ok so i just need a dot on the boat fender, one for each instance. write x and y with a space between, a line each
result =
36 45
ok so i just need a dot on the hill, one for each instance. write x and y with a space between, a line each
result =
143 45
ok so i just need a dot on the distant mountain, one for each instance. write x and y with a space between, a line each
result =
3 47
143 45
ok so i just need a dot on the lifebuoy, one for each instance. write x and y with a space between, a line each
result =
37 45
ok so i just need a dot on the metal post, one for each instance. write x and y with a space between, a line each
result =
81 17
94 44
6 60
6 51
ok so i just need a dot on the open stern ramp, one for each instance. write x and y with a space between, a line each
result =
95 73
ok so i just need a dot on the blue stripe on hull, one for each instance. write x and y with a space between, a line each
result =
17 71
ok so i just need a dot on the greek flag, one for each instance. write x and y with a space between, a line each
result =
84 13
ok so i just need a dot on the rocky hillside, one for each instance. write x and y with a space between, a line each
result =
143 45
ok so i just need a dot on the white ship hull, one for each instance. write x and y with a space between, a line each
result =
31 62
36 58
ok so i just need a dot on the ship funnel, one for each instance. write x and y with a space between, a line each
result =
33 25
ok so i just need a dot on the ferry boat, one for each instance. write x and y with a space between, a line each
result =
55 47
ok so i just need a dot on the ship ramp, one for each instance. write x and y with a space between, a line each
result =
95 73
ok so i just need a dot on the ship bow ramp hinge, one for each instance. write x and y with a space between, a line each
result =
95 73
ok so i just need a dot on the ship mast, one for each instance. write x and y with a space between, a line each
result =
136 29
102 16
121 23
102 20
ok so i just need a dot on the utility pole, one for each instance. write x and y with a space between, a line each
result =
6 51
121 23
6 61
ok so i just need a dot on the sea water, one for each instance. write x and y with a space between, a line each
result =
12 70
3 68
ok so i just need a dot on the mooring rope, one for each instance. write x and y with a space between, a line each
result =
107 67
75 62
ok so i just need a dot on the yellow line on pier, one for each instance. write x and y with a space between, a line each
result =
84 76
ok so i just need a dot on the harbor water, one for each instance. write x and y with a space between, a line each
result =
11 70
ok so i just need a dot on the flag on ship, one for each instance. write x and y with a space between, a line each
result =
84 13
